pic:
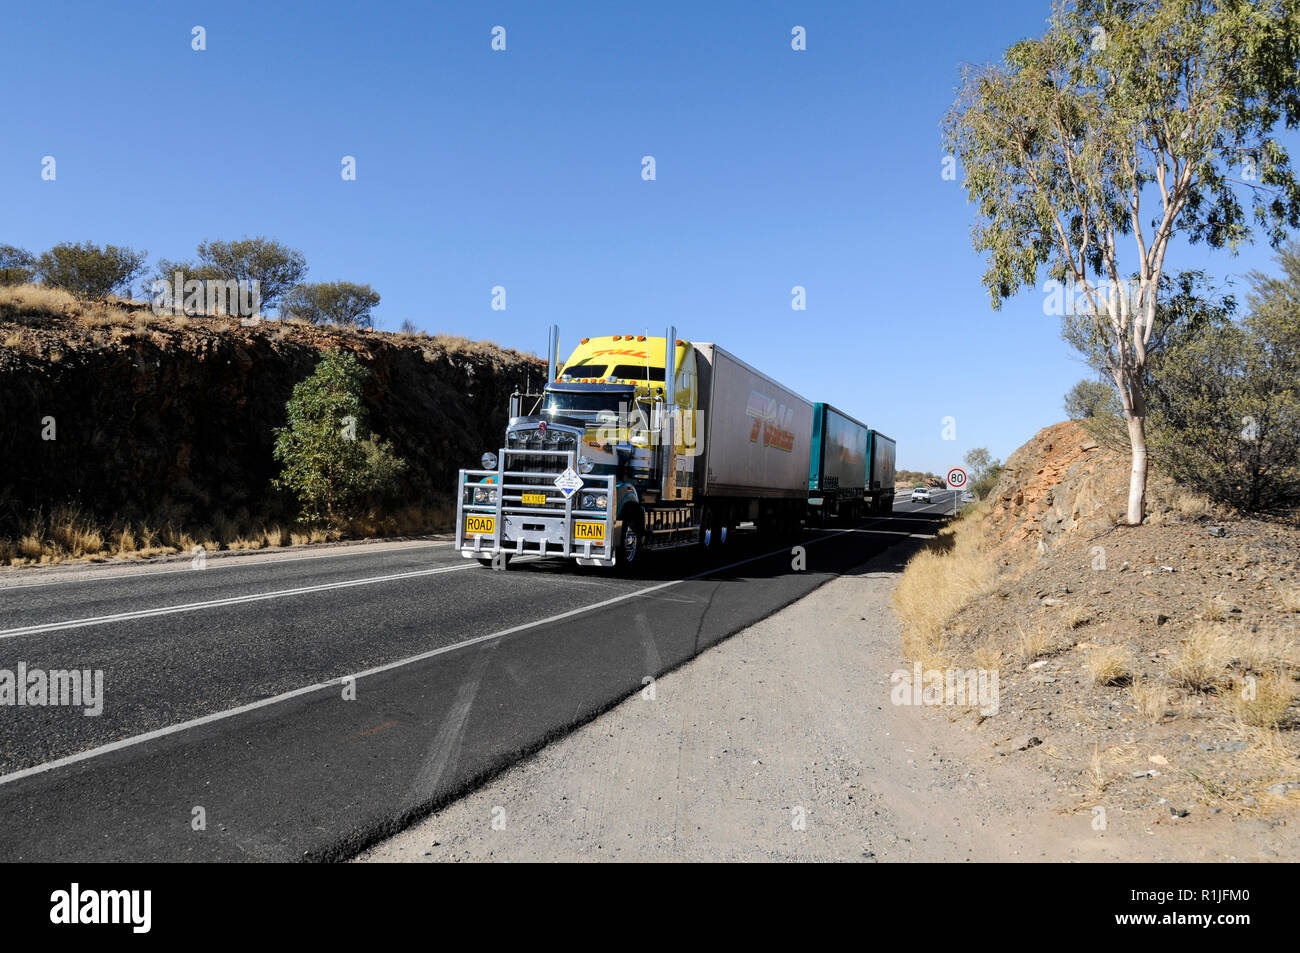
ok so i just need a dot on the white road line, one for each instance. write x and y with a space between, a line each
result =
143 571
390 666
217 603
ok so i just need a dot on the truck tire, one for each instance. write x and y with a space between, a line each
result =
726 530
628 536
709 542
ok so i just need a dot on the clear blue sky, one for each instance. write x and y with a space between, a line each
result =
523 169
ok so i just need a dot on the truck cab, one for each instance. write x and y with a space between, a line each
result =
613 431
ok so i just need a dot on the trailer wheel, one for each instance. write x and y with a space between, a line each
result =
709 541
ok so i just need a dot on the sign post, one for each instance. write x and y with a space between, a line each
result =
956 480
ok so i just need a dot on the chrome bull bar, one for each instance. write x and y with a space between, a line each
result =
546 528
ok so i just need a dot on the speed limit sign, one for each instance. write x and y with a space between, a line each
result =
956 478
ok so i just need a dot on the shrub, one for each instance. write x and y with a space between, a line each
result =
1092 398
333 302
17 265
329 463
1224 401
89 270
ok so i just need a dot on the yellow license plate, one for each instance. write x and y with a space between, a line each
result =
589 531
480 525
535 499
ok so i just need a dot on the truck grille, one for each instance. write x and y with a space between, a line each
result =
537 440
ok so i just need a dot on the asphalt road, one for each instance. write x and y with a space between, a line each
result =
303 707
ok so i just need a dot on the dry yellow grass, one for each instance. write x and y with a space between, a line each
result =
1262 652
1110 665
14 339
35 301
1096 775
1035 642
1261 702
66 533
988 657
30 546
125 542
1150 698
1201 665
938 581
1191 505
1075 616
1291 599
1216 609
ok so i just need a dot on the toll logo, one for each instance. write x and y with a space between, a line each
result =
772 422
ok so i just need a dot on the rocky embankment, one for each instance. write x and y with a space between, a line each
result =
128 416
1148 671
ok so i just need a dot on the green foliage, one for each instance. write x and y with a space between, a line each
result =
912 477
1091 398
275 267
17 265
333 302
89 270
329 462
1127 123
1060 141
987 480
977 461
1225 399
983 471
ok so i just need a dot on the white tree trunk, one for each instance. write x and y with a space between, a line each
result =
1137 481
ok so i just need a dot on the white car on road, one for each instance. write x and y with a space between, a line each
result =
921 494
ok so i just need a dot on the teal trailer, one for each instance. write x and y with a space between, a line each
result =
837 465
881 454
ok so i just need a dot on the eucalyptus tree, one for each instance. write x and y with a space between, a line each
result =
1129 123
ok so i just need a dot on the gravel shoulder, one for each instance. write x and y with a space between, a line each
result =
782 744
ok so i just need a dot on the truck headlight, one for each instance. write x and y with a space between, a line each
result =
585 465
489 461
485 495
594 501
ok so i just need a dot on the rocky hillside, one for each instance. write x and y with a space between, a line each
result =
1059 485
1151 670
170 420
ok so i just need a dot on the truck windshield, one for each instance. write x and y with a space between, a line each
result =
587 404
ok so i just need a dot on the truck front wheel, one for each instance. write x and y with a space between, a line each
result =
627 533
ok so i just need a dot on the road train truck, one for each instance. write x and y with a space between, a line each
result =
638 444
837 465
